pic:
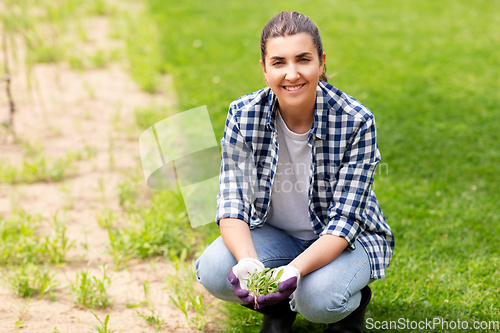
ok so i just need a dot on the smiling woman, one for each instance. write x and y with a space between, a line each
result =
292 68
329 238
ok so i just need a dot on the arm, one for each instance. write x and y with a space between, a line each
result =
236 191
320 253
236 235
347 213
236 177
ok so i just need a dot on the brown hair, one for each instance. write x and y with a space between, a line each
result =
289 24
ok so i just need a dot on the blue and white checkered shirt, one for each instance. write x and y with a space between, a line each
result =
344 158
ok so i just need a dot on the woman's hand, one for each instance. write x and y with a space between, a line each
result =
240 273
288 284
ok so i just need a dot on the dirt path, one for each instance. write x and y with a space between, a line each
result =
83 111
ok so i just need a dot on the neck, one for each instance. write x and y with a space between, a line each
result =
299 117
297 121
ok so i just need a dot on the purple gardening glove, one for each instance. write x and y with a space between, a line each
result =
238 275
288 284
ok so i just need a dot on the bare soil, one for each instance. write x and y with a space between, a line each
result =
69 111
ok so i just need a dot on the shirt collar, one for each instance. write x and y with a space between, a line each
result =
320 123
323 100
272 110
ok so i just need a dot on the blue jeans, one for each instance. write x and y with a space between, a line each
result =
325 295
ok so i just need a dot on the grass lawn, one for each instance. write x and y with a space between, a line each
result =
429 72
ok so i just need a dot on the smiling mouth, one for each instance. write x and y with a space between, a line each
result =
293 88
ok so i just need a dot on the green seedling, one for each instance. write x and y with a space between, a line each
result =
57 245
29 279
154 319
23 310
146 301
183 292
40 169
155 230
91 291
263 283
103 328
20 244
105 218
99 59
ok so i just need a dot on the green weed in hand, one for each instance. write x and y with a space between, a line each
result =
263 283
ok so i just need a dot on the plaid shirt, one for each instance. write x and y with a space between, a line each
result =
344 158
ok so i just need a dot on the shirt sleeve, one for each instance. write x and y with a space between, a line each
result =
352 191
237 174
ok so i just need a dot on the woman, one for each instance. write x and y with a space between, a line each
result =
298 160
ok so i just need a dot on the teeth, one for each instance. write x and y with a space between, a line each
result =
294 88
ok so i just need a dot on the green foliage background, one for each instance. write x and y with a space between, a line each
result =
429 72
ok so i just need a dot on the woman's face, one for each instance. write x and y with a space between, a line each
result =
292 69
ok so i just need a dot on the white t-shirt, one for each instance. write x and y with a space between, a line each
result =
289 197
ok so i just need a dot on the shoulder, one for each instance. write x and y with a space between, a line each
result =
248 114
342 104
251 103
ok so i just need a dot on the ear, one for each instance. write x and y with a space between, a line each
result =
263 66
322 62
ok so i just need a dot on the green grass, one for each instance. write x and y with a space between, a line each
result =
244 320
153 319
26 254
37 167
134 26
161 228
40 169
48 29
91 291
184 294
150 114
427 69
29 279
21 242
41 25
429 72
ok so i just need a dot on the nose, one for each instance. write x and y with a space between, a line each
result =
292 73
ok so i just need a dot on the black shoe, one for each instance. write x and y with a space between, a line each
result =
354 322
278 318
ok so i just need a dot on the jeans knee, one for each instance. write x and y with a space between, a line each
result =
324 309
212 270
208 275
197 270
322 312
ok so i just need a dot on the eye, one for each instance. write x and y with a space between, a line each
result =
304 60
277 63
